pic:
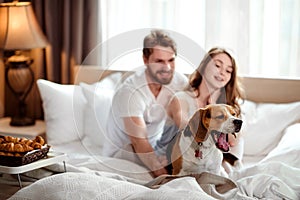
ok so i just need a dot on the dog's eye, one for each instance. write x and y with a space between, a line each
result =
220 117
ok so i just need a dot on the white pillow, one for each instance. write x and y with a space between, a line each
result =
264 124
96 113
63 107
288 149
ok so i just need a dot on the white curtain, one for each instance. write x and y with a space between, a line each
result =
264 34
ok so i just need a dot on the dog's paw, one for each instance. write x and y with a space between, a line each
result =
238 165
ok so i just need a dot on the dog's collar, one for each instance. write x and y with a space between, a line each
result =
196 146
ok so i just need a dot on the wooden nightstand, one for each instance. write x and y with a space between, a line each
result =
29 132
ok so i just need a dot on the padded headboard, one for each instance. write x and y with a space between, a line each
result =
257 89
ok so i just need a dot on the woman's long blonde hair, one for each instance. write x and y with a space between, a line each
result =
232 92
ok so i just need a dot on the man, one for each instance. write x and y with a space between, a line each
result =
138 112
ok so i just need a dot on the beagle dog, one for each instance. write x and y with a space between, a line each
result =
197 147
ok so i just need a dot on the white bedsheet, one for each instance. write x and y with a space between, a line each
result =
90 186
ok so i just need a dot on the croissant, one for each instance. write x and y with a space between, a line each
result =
7 138
11 139
25 148
23 140
7 147
20 145
18 155
28 142
2 147
18 148
10 154
40 140
36 145
12 147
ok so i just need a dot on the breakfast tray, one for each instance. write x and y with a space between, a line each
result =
51 158
29 157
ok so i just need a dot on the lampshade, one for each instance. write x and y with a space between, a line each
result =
19 29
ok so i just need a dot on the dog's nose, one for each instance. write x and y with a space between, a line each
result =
238 124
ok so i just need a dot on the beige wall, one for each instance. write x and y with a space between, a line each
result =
258 89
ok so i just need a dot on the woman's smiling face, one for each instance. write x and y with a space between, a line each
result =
219 70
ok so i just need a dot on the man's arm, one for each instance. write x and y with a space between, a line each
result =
136 130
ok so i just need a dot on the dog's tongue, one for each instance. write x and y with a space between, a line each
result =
222 143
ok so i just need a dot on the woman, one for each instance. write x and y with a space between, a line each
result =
214 81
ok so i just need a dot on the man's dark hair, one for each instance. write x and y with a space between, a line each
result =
158 37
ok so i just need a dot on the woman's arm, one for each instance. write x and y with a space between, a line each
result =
178 111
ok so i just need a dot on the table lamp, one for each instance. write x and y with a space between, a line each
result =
19 31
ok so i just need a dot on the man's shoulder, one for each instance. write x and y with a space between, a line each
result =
135 77
179 79
131 84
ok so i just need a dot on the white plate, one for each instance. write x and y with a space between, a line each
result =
52 158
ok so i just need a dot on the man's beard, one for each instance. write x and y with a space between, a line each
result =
155 76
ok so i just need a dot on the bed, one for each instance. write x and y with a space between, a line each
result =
76 115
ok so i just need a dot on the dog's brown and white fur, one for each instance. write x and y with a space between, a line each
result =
194 150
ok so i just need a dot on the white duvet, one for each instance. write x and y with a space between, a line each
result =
94 179
277 176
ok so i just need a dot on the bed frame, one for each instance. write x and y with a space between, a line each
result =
257 89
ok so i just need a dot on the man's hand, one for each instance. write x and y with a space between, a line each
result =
147 155
159 172
137 132
164 162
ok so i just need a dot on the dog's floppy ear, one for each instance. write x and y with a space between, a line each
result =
197 127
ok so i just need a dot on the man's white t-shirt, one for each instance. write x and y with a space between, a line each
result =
134 99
